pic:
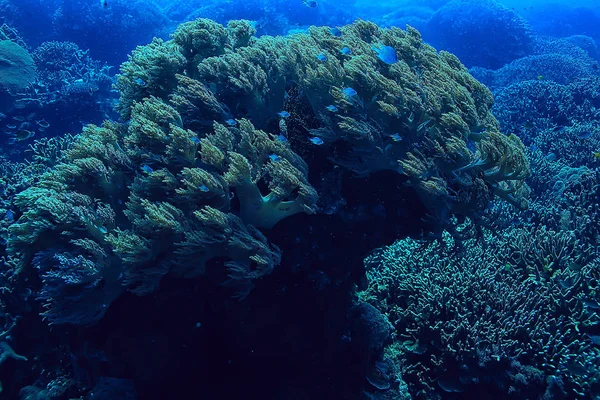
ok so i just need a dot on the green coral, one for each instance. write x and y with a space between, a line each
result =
152 221
17 70
416 117
198 166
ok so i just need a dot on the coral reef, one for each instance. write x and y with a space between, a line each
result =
17 71
510 314
561 20
482 33
137 201
395 117
208 170
109 32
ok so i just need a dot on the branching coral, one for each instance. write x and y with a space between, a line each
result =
488 312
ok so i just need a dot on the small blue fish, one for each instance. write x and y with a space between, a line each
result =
335 32
349 92
103 230
591 304
551 157
595 339
140 81
196 140
281 138
231 122
396 137
147 169
584 134
332 108
576 368
43 124
20 135
203 188
322 57
387 54
258 24
284 114
346 51
310 3
274 157
9 216
317 140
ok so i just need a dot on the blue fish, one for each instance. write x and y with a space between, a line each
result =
551 157
231 122
274 157
317 140
284 114
9 216
140 82
584 134
322 57
335 32
281 138
349 92
196 140
396 137
591 304
387 54
147 169
346 51
595 339
203 188
332 108
310 3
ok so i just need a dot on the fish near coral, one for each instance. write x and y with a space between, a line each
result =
387 54
21 135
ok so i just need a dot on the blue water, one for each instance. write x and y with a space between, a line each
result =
288 199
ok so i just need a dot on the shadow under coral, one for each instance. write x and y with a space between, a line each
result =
290 339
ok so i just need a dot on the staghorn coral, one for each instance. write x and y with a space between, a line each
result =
515 301
55 62
574 145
